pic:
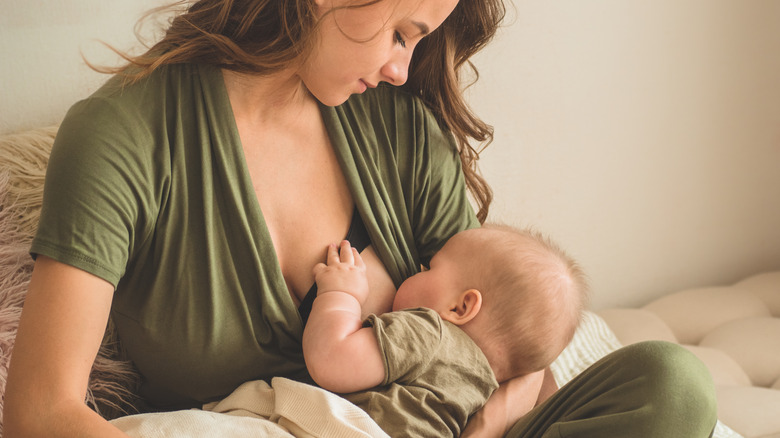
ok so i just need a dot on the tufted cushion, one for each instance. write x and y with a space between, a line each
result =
735 331
751 411
766 287
754 343
693 313
724 369
637 325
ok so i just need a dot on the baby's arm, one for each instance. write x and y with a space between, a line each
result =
341 355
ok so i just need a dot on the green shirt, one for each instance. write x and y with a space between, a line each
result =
147 188
435 376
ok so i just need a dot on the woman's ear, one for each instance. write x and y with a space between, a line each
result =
465 308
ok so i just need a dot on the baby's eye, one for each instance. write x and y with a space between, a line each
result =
399 39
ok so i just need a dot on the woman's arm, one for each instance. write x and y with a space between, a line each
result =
62 325
510 402
340 354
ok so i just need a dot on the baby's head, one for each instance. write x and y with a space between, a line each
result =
516 294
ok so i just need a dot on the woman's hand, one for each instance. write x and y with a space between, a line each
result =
510 402
62 325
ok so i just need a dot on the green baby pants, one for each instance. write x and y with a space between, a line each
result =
651 389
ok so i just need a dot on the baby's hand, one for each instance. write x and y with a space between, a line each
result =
344 272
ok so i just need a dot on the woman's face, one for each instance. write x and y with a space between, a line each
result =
359 47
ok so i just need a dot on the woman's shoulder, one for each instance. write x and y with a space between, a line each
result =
120 109
145 94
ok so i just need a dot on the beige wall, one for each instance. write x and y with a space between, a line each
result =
644 136
41 41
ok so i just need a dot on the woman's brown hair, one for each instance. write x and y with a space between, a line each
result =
436 74
263 36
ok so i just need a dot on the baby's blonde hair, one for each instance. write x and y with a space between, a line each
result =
533 293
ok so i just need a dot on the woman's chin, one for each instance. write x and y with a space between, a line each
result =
331 99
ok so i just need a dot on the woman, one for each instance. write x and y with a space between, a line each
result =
191 196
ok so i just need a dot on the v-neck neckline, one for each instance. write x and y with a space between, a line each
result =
340 145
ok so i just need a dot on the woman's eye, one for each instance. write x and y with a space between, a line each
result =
399 39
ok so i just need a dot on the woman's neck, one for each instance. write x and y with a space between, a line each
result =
266 99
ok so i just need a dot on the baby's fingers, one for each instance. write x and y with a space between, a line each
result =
358 259
333 255
319 267
347 253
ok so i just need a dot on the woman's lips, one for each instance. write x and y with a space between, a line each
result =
365 85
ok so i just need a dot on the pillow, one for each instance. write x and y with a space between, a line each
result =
592 341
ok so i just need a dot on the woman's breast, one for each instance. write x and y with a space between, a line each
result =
381 287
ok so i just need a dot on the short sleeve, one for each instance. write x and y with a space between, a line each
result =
408 341
97 201
436 376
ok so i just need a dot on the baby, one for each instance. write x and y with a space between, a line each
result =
497 303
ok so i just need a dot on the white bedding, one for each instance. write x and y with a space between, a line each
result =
283 409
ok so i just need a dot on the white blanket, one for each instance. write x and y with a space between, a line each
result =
283 409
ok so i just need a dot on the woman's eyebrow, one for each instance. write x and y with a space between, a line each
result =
424 29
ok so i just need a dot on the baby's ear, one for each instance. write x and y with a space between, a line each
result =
465 308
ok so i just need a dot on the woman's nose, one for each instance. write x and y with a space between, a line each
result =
396 70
